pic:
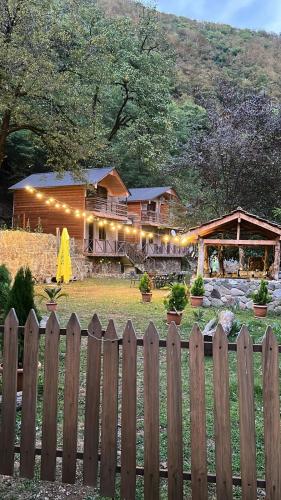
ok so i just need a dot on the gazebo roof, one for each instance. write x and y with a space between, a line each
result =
228 221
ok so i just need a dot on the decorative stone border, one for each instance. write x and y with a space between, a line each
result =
221 292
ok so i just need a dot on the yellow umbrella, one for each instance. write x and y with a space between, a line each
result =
64 269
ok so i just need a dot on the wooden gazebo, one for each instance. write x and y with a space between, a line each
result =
237 229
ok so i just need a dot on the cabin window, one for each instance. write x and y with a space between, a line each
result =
100 191
102 233
151 206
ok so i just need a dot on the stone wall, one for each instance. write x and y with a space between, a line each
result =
163 265
39 252
36 250
226 292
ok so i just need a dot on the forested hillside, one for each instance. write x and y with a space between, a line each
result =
206 51
165 99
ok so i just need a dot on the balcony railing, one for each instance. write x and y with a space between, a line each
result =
149 216
132 251
104 247
106 207
164 250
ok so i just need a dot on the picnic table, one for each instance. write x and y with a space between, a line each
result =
164 279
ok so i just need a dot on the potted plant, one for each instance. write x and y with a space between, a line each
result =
175 303
21 298
261 298
145 287
197 292
52 294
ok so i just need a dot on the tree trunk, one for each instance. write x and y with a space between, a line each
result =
4 132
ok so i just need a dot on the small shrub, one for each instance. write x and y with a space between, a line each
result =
21 298
261 297
5 285
145 285
197 288
198 316
52 294
176 300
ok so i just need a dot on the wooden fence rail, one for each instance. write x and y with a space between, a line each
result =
101 442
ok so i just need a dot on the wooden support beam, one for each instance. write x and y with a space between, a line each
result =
200 265
276 264
206 260
245 243
265 261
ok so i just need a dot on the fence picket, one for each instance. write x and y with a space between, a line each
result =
29 396
246 415
109 412
151 412
174 414
222 415
197 416
9 394
49 424
271 405
71 390
92 404
128 422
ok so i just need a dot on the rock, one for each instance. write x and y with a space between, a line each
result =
206 302
242 305
43 321
225 318
208 287
277 310
215 294
236 292
217 303
249 305
277 294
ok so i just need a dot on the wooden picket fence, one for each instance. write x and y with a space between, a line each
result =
100 449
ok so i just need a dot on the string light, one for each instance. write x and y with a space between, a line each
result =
103 222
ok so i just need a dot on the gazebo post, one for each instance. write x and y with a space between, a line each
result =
206 260
276 264
265 262
200 266
241 258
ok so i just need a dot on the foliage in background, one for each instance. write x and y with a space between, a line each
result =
237 155
197 288
176 300
5 285
21 298
81 88
145 284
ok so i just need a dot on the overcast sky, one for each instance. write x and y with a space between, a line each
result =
254 14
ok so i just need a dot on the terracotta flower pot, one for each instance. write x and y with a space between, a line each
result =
260 311
174 316
51 306
19 376
196 301
146 296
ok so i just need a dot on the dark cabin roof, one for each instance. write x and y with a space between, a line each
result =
146 194
53 179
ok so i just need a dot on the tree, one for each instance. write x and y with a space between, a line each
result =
235 158
85 88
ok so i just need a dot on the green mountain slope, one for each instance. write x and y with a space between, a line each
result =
208 51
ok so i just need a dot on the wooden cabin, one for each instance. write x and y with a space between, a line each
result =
239 230
59 201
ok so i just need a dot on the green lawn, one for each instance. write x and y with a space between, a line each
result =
115 299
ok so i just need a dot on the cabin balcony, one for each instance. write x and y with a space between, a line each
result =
110 248
105 207
155 218
163 250
104 248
